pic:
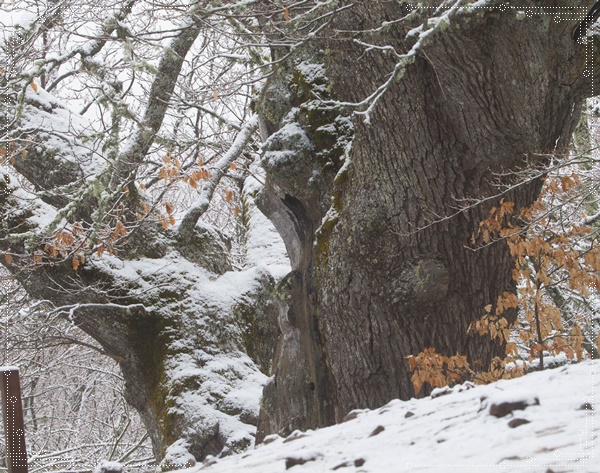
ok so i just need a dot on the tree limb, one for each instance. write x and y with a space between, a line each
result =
159 98
202 202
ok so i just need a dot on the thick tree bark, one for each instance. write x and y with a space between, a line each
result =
373 282
182 355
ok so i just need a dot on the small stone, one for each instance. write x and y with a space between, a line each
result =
586 406
377 431
482 403
409 414
294 461
466 386
301 459
109 467
342 465
504 408
438 392
351 415
270 439
295 435
517 422
359 462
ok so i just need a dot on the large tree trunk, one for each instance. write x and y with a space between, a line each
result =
374 280
183 327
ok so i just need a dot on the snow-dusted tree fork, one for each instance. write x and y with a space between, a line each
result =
380 117
87 226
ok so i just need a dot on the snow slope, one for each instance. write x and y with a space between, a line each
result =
453 432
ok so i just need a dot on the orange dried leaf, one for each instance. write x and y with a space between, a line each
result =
577 341
77 229
511 349
507 208
569 352
34 86
64 238
566 183
163 221
8 259
75 263
286 13
119 230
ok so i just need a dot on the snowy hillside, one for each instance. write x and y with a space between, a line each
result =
456 431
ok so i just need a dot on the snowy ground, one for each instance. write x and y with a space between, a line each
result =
454 432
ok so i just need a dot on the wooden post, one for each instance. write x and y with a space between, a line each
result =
12 410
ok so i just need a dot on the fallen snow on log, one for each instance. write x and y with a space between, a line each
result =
550 428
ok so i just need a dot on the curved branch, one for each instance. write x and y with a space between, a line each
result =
186 228
159 98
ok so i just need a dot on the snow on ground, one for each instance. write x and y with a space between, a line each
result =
453 432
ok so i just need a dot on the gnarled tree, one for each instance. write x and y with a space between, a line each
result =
381 119
448 103
119 127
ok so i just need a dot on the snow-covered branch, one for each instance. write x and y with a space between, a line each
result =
592 219
423 33
71 310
